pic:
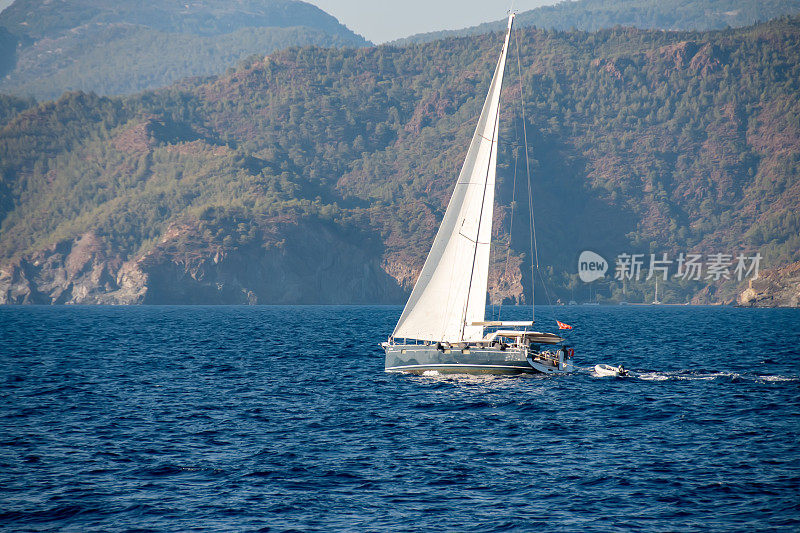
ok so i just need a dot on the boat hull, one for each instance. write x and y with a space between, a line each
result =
418 359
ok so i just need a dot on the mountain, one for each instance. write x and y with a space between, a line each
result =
320 175
592 15
8 46
116 48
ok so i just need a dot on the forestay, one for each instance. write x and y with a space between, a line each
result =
450 293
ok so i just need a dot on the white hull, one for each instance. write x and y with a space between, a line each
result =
418 359
603 370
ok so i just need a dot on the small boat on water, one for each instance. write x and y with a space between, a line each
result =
604 370
443 326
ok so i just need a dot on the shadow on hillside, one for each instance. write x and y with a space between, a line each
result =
569 215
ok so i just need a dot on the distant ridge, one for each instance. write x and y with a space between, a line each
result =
320 175
110 47
591 15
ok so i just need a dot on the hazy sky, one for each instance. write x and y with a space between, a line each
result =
386 20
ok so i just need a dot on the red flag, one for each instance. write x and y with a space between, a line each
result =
561 325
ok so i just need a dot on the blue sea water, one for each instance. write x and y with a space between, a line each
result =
282 419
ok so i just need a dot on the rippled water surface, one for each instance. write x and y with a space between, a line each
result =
281 418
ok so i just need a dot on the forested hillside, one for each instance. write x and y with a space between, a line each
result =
114 47
320 175
594 15
8 47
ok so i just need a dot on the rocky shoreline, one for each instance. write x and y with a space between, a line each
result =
311 263
294 262
779 287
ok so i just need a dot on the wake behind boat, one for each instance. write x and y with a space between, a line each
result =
443 326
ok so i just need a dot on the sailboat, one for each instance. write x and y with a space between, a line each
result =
592 301
655 299
443 326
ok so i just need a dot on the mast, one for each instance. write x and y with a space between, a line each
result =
449 299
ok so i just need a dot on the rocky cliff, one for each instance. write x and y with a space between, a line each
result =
774 288
292 262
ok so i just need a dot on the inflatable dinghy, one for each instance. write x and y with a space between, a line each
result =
608 370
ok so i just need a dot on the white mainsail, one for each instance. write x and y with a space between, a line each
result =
450 293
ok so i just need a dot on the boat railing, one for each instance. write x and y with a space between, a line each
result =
496 343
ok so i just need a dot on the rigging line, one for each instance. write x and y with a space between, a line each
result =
535 259
534 245
511 223
544 286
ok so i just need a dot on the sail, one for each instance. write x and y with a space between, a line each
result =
450 293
